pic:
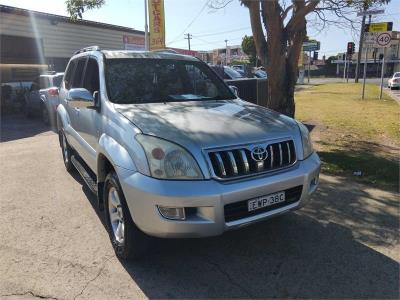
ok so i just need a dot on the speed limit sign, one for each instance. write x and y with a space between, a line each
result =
384 39
378 39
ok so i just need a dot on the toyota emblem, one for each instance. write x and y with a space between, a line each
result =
259 154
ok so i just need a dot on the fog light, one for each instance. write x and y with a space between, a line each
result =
173 213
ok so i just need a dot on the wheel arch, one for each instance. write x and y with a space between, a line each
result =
111 153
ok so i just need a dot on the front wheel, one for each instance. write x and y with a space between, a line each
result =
66 152
127 240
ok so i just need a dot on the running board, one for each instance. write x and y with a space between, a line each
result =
85 174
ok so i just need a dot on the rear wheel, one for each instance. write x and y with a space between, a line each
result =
127 240
66 152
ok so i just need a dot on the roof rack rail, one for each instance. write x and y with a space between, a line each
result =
86 49
165 51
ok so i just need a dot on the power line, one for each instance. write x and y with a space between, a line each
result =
191 22
213 42
222 32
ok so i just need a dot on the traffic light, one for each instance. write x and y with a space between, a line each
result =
315 57
350 47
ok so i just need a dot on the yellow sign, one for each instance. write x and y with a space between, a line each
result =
157 24
378 27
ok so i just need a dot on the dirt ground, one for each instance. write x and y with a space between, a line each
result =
53 243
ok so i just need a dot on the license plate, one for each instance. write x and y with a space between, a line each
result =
265 201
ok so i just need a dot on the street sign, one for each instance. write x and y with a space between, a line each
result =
377 39
379 27
311 46
370 12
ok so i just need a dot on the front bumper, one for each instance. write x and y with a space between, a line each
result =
143 194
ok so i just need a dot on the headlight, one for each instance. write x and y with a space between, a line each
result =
168 160
306 141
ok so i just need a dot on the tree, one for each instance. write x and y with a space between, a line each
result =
249 48
279 29
76 8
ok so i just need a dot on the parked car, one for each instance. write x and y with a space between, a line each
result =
239 68
394 82
12 95
42 99
174 155
260 74
226 72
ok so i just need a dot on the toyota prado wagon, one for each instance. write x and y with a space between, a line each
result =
171 151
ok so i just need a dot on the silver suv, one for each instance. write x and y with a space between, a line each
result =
172 152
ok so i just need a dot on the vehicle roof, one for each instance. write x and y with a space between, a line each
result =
111 54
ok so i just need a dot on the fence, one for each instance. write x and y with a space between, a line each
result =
254 90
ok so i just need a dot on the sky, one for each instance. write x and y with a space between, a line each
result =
210 28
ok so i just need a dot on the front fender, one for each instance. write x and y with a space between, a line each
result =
63 120
115 153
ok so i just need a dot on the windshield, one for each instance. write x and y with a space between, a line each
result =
396 74
134 81
232 73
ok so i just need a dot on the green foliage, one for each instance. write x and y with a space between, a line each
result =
249 48
76 8
366 4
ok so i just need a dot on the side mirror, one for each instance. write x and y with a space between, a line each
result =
235 90
80 98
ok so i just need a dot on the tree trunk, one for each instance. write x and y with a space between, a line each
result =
284 47
281 54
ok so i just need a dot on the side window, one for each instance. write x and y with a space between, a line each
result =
91 79
68 74
77 77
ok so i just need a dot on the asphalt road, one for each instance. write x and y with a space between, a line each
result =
53 244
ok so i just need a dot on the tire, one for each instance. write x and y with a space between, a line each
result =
129 242
45 115
66 152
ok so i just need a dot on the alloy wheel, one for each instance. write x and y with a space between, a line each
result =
116 215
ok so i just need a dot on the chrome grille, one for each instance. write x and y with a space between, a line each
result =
239 162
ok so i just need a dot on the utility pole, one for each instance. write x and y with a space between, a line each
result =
188 37
360 48
365 64
382 72
309 68
226 52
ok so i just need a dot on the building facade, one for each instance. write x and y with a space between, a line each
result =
31 42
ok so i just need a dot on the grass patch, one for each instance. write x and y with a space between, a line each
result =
351 134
